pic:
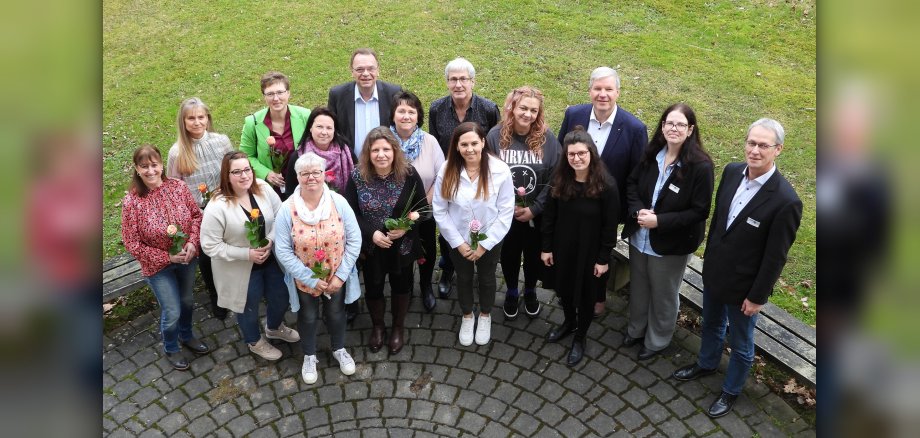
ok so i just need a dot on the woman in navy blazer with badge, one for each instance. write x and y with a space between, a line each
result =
668 197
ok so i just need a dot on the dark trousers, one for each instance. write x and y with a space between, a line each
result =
487 284
522 239
400 284
429 247
204 266
445 261
308 316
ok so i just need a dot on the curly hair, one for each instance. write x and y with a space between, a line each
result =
563 186
537 134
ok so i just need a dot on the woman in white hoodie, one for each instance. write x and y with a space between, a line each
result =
244 274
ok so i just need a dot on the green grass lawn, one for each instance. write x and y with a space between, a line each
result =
733 62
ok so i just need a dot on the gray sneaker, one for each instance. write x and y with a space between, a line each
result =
265 350
283 332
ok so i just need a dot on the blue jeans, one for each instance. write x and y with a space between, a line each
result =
173 289
334 311
715 316
267 282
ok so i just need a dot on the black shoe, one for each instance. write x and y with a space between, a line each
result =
445 283
722 406
645 353
629 342
177 361
510 307
197 346
351 312
578 351
691 372
428 300
560 332
219 312
532 305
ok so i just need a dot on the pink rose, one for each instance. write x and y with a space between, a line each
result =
330 176
413 216
521 191
171 230
320 255
475 225
270 140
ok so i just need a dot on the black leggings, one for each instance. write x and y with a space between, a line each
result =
400 284
522 238
429 247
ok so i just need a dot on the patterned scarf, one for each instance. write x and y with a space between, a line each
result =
338 160
413 146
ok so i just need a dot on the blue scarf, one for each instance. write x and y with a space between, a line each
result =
413 146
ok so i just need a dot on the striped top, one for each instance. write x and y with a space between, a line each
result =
209 151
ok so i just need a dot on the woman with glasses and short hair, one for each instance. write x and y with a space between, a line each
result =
244 275
272 133
668 196
195 158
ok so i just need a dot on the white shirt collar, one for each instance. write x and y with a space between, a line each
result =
609 119
358 93
762 179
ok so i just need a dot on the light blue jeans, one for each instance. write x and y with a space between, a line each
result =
172 286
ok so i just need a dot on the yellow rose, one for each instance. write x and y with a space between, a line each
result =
254 214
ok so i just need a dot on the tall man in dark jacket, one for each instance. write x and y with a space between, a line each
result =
755 221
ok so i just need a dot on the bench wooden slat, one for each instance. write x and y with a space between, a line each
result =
788 339
785 357
791 323
117 261
128 269
121 286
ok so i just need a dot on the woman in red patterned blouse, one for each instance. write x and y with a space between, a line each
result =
155 206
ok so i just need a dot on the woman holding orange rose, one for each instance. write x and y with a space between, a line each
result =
272 133
195 159
318 246
159 214
245 270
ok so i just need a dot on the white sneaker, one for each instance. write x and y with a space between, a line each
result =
346 363
466 331
484 329
265 350
309 369
283 332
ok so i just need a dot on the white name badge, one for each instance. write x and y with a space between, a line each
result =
753 222
674 188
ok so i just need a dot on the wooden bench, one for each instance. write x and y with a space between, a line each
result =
779 335
120 275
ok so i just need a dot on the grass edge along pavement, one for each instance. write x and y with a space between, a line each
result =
713 55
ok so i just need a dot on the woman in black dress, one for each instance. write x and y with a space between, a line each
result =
579 231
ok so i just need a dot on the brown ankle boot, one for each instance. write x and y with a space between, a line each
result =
399 307
376 308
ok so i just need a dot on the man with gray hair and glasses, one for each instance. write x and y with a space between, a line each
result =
445 114
755 220
619 136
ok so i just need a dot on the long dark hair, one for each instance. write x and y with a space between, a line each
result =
455 162
691 152
563 186
323 111
226 190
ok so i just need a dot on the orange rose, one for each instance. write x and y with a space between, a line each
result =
254 214
203 188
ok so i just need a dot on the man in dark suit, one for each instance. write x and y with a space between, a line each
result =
619 136
362 104
755 221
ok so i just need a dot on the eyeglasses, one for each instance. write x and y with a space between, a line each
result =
271 95
240 172
362 70
579 154
314 174
762 146
672 125
463 80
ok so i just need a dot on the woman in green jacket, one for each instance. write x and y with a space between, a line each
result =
272 133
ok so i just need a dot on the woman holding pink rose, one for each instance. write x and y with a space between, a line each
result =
473 206
245 272
272 133
160 223
318 246
322 139
528 146
384 190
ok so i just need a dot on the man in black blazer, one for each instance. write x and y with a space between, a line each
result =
619 136
362 104
755 221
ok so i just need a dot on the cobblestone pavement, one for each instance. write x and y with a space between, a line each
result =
517 385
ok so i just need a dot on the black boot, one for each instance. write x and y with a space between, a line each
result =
399 307
445 284
578 351
351 311
428 299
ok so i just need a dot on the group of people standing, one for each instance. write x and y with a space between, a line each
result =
312 197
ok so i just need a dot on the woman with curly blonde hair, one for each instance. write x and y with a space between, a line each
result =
524 142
